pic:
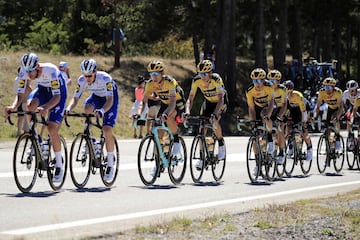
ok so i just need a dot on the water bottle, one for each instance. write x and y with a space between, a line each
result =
45 149
165 142
97 149
210 143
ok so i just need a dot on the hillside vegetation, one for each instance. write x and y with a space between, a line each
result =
125 76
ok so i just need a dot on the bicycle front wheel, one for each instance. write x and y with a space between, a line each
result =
81 153
304 164
25 160
351 156
290 151
339 156
148 160
217 165
253 159
322 154
197 158
177 166
106 167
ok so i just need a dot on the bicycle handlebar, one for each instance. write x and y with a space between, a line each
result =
200 119
88 117
32 113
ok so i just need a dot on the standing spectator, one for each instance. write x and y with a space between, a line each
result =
138 105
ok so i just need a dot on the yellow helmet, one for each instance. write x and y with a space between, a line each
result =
274 74
329 82
155 66
258 73
204 66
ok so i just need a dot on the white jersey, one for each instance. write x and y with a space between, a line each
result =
348 98
65 77
102 85
50 78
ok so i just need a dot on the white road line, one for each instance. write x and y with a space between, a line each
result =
86 222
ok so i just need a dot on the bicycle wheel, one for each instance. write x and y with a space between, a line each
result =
322 154
290 152
339 156
25 159
253 159
351 154
270 163
148 160
51 165
217 165
197 158
305 165
104 164
177 166
81 153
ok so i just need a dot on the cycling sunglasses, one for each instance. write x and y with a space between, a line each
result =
154 74
203 74
30 70
328 87
273 80
257 81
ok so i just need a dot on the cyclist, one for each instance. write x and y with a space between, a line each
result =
260 100
274 77
49 98
134 112
103 101
171 96
298 108
332 95
65 71
213 90
351 93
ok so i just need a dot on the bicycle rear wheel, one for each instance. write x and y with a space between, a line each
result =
25 160
253 159
51 165
290 151
351 156
197 158
217 165
104 164
148 160
81 154
339 156
322 154
177 166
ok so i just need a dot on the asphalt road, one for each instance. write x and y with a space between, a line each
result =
73 213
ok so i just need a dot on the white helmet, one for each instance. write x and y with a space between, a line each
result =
352 85
88 66
29 62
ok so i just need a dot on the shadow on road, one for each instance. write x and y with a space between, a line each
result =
33 194
95 190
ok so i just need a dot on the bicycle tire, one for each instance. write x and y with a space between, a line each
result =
197 153
51 165
81 155
340 156
217 165
25 162
351 155
305 165
322 154
103 166
148 158
177 167
253 159
290 158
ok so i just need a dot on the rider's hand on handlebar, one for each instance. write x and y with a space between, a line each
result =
8 110
99 112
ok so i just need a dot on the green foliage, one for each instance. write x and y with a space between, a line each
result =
172 47
47 36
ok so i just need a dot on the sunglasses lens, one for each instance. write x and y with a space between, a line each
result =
152 74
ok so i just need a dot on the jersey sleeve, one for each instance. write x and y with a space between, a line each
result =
80 86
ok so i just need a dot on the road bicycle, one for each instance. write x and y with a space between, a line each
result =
34 156
204 149
87 154
352 147
258 161
296 150
327 150
155 154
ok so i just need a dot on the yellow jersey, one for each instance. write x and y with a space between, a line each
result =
357 103
260 98
334 100
296 99
279 95
169 88
210 90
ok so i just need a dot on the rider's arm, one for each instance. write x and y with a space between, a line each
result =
72 104
189 103
219 104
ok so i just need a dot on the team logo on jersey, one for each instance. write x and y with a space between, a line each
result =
109 86
77 88
55 84
21 83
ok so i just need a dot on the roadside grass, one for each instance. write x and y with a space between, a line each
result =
337 207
